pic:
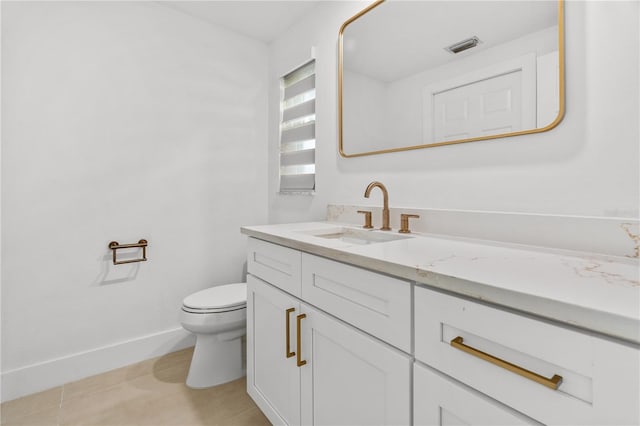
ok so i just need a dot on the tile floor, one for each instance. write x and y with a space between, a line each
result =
151 392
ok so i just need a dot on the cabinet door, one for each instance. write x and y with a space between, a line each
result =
351 378
438 400
273 380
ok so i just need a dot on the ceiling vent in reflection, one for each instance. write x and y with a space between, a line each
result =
463 45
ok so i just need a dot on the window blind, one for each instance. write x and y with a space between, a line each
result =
298 130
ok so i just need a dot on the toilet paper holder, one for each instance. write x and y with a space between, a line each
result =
115 246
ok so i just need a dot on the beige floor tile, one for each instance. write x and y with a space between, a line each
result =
172 367
96 383
108 404
99 407
216 405
173 409
182 357
250 417
149 393
171 373
169 380
43 417
30 404
146 401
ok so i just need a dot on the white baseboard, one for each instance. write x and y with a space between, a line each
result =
56 372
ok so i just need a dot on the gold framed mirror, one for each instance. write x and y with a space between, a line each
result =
425 73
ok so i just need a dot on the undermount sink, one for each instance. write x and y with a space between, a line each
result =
355 236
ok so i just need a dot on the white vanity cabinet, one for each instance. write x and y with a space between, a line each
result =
332 343
516 359
305 366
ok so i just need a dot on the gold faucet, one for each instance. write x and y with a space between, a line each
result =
385 208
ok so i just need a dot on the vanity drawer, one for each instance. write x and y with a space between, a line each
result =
599 377
375 303
438 400
279 266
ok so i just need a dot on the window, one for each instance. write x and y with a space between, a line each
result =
298 130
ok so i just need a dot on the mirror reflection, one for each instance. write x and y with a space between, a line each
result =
417 74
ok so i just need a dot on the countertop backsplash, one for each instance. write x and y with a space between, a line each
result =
600 235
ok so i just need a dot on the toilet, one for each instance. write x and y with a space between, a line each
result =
218 318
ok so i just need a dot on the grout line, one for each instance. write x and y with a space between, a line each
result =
60 406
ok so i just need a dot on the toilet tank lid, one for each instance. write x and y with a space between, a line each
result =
222 296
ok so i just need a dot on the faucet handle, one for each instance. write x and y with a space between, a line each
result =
367 219
404 222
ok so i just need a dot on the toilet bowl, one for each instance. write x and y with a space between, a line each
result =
218 318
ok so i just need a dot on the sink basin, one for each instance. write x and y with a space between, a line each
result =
355 236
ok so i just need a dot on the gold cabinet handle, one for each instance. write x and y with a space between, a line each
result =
299 359
288 331
552 383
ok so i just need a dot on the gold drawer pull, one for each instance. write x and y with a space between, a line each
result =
299 359
552 383
288 327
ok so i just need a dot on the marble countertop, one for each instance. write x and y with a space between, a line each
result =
590 291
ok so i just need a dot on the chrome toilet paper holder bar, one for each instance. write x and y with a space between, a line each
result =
115 246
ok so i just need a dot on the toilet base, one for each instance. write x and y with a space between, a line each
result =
215 361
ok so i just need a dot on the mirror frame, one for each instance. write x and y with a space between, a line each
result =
554 123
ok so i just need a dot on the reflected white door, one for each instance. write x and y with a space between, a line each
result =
484 108
500 99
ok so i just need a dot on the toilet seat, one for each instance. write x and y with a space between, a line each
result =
212 310
224 298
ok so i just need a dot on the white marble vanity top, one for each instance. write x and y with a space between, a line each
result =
593 292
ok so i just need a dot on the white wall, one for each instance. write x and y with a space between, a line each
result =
588 165
122 120
364 101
